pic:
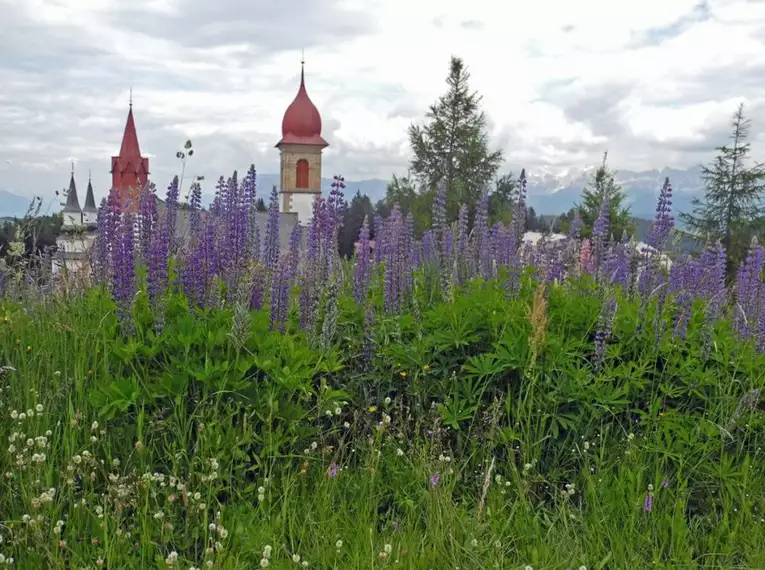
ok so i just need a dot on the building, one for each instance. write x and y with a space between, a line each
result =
77 231
130 170
300 148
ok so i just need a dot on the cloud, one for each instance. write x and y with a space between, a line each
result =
654 82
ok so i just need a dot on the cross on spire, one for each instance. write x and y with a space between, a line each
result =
131 97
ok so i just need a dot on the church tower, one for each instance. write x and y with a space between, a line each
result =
129 169
89 211
72 213
300 147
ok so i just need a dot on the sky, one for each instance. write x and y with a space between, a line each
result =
653 82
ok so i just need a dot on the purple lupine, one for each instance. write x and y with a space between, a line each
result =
684 278
749 291
664 222
481 233
518 224
435 479
362 270
312 270
157 270
171 214
333 213
249 185
575 227
209 257
101 247
600 232
395 232
605 325
439 212
464 258
369 335
280 286
648 503
378 233
271 245
293 256
656 242
148 220
333 470
124 267
447 261
258 287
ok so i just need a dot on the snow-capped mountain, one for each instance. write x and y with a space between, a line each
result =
554 193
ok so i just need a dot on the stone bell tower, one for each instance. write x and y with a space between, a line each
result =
301 146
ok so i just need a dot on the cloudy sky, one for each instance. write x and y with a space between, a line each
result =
654 81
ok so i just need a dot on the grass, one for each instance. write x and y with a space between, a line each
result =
179 450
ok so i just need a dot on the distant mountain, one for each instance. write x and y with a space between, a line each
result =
12 205
551 193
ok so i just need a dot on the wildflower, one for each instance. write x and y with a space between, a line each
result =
435 479
648 504
388 549
372 409
338 411
399 452
665 483
296 558
333 470
339 544
264 563
39 408
474 542
387 400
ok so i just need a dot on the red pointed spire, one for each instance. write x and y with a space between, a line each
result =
302 122
130 145
129 169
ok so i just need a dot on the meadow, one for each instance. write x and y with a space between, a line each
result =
459 400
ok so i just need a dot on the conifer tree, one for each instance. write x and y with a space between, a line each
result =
453 146
732 208
604 187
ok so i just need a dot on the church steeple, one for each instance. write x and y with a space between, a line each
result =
72 213
129 169
300 147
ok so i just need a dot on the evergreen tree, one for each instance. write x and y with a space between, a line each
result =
731 210
452 148
353 217
503 199
401 191
604 187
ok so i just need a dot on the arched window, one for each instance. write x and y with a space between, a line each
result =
301 178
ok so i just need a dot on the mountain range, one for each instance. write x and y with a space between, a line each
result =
550 192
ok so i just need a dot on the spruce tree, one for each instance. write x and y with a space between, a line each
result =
731 210
452 148
604 187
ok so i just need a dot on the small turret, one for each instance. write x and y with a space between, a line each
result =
72 213
90 211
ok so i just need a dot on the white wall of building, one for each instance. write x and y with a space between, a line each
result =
302 204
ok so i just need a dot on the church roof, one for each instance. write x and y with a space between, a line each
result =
302 122
90 200
72 202
130 148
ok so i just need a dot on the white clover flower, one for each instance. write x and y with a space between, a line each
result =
399 452
339 544
39 408
474 542
30 413
14 415
22 416
386 401
94 426
212 527
296 558
338 411
264 563
387 549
